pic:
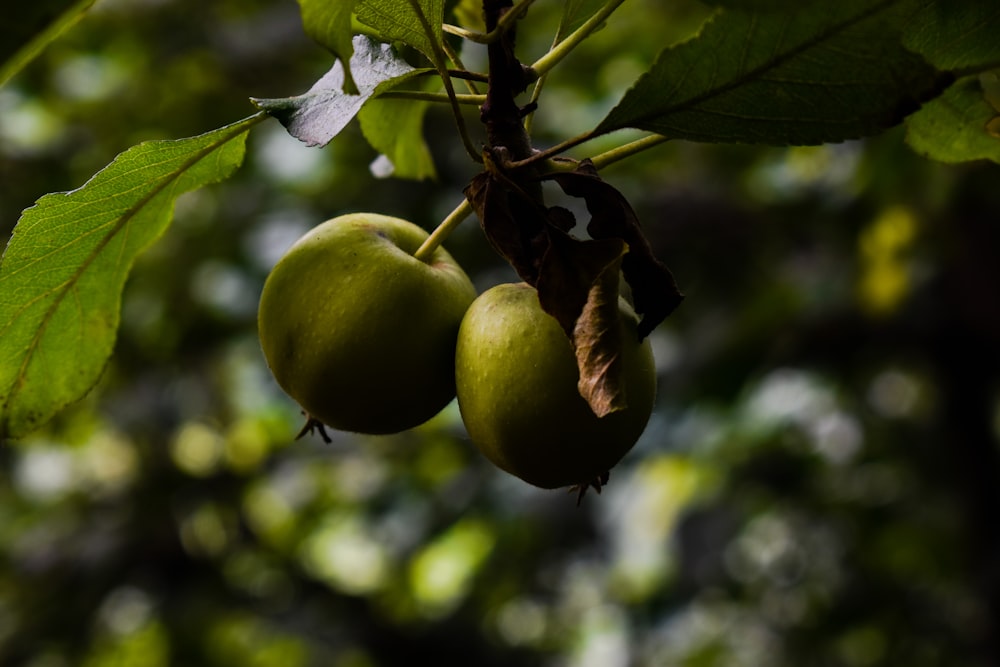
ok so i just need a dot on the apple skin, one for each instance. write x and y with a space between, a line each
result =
516 378
358 331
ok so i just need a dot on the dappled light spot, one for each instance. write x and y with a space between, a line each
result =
641 515
441 573
197 449
522 621
247 445
28 126
242 639
269 515
147 646
887 273
92 77
45 472
344 553
208 530
125 610
896 393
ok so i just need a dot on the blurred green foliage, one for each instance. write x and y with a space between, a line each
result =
819 484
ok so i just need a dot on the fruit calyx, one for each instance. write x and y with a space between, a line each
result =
312 426
598 483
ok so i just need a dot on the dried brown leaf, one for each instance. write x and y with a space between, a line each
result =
578 285
577 280
654 290
514 224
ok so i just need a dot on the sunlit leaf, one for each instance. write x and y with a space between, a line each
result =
958 126
956 34
63 272
28 27
394 127
319 115
329 23
399 20
835 72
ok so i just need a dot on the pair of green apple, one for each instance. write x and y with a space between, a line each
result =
368 338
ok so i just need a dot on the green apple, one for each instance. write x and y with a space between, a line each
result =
357 330
516 377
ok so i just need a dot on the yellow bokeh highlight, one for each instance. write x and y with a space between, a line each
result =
149 646
196 449
270 516
208 531
250 642
247 445
661 489
441 573
885 270
345 553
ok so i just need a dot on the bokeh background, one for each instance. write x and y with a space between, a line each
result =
819 484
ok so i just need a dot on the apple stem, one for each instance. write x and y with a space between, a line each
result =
437 237
563 48
627 150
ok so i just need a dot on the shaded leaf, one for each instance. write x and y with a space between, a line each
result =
763 5
329 23
654 290
991 88
578 285
398 20
958 126
513 223
28 27
575 14
469 14
833 72
394 127
320 114
956 34
65 266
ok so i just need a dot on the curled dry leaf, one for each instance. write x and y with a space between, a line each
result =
654 290
514 224
578 280
579 287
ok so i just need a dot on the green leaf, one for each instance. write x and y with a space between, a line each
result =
329 23
320 114
469 14
833 72
763 5
959 126
394 127
28 27
575 14
65 267
399 20
957 34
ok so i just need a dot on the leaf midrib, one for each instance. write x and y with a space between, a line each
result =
62 290
693 102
